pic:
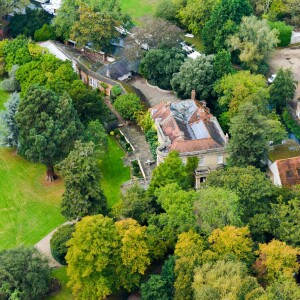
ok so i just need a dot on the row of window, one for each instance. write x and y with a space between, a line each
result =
220 160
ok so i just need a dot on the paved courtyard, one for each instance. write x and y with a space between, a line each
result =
153 95
287 58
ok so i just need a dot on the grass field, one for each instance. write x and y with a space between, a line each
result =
29 207
3 98
114 173
64 293
138 8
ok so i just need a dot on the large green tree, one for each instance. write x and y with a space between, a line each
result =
24 274
9 6
283 89
216 208
83 195
128 105
223 22
48 127
254 41
159 65
195 75
225 280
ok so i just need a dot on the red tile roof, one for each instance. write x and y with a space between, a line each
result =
289 170
194 145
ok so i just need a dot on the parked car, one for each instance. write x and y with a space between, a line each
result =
272 78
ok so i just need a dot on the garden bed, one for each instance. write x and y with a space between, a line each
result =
136 169
123 141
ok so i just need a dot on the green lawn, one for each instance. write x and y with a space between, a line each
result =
138 8
114 173
3 98
196 42
29 207
64 293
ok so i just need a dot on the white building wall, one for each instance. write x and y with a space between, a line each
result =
275 174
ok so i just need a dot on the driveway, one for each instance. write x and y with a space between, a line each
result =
287 58
153 95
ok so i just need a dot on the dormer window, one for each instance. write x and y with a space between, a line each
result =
290 173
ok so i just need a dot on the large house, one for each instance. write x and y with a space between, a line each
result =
188 127
284 164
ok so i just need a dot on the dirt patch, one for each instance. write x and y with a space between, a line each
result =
287 58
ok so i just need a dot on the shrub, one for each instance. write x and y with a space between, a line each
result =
285 33
11 84
115 92
58 242
45 33
128 105
152 139
291 124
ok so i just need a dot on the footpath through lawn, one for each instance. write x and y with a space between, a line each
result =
29 206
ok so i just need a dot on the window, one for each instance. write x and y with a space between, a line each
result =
201 161
220 159
298 170
93 82
202 179
289 173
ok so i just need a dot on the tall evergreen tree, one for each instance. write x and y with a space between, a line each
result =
48 127
83 195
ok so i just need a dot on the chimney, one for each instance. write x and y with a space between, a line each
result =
193 95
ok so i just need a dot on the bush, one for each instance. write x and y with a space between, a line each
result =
291 124
115 92
11 84
128 105
45 33
58 242
285 33
152 139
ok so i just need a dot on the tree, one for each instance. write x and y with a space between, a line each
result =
152 34
225 280
58 242
11 84
48 127
222 64
9 6
285 32
252 186
287 218
96 133
223 22
231 241
249 137
254 41
167 10
45 33
194 75
128 105
95 27
159 65
282 289
234 89
122 257
178 217
160 286
292 8
83 195
196 13
276 260
216 208
171 170
28 23
9 131
188 253
136 204
283 89
24 274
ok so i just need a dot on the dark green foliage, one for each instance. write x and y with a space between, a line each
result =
88 103
167 10
28 23
160 286
45 33
136 204
283 89
152 139
58 242
222 64
24 274
159 65
136 171
194 75
115 92
291 124
11 84
224 21
83 195
48 126
250 184
122 141
191 165
128 105
95 133
285 32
